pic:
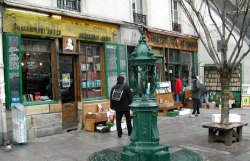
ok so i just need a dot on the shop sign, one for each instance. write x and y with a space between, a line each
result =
34 29
167 41
32 24
94 37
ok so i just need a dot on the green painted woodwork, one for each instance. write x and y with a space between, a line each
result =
115 64
13 68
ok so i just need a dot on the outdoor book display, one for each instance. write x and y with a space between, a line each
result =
213 84
165 98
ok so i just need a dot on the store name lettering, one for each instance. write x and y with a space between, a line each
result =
94 37
171 41
40 30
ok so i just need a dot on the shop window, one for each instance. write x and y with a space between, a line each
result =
73 5
36 71
91 82
174 56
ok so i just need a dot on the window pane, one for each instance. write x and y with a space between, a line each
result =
112 57
36 71
69 4
90 71
112 78
123 64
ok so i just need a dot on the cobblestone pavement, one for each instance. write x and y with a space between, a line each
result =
180 132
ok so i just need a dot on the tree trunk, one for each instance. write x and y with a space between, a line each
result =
225 76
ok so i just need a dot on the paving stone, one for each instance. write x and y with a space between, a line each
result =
178 133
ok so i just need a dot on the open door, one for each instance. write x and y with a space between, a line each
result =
68 91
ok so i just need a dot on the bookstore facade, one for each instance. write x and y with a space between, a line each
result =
177 55
54 66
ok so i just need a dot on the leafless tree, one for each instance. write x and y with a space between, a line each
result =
231 21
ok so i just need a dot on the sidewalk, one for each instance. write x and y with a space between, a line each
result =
180 132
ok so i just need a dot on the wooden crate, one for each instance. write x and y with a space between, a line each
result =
164 107
89 123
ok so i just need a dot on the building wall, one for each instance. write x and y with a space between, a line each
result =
159 14
43 3
113 9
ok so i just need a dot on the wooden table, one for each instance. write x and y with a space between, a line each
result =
226 133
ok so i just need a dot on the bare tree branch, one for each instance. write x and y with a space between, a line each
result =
208 44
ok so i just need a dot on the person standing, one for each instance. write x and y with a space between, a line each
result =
196 95
178 89
204 95
122 107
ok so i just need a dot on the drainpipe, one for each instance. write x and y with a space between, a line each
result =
2 84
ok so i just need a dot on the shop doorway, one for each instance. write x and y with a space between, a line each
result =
68 91
174 70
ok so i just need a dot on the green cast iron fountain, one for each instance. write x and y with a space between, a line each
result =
144 144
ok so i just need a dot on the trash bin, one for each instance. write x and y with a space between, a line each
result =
18 123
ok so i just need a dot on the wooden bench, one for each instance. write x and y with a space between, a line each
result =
166 97
90 123
225 133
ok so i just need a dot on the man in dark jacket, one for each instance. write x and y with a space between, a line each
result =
196 95
122 107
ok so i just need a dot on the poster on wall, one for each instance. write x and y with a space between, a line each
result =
245 96
66 80
69 45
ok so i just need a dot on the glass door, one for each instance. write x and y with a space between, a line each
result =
68 93
66 67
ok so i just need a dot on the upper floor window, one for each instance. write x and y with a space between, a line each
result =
137 6
175 16
138 16
73 5
175 11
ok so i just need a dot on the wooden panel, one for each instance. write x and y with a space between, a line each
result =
164 96
69 115
89 124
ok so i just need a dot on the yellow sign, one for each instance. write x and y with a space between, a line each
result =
167 41
45 25
245 101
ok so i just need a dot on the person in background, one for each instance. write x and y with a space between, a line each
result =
178 89
122 107
204 95
196 96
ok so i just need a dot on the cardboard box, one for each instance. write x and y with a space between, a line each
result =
184 112
216 118
212 105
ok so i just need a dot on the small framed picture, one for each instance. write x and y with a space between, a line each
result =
69 45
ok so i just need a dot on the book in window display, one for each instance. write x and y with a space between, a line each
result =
89 50
97 75
90 75
97 67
